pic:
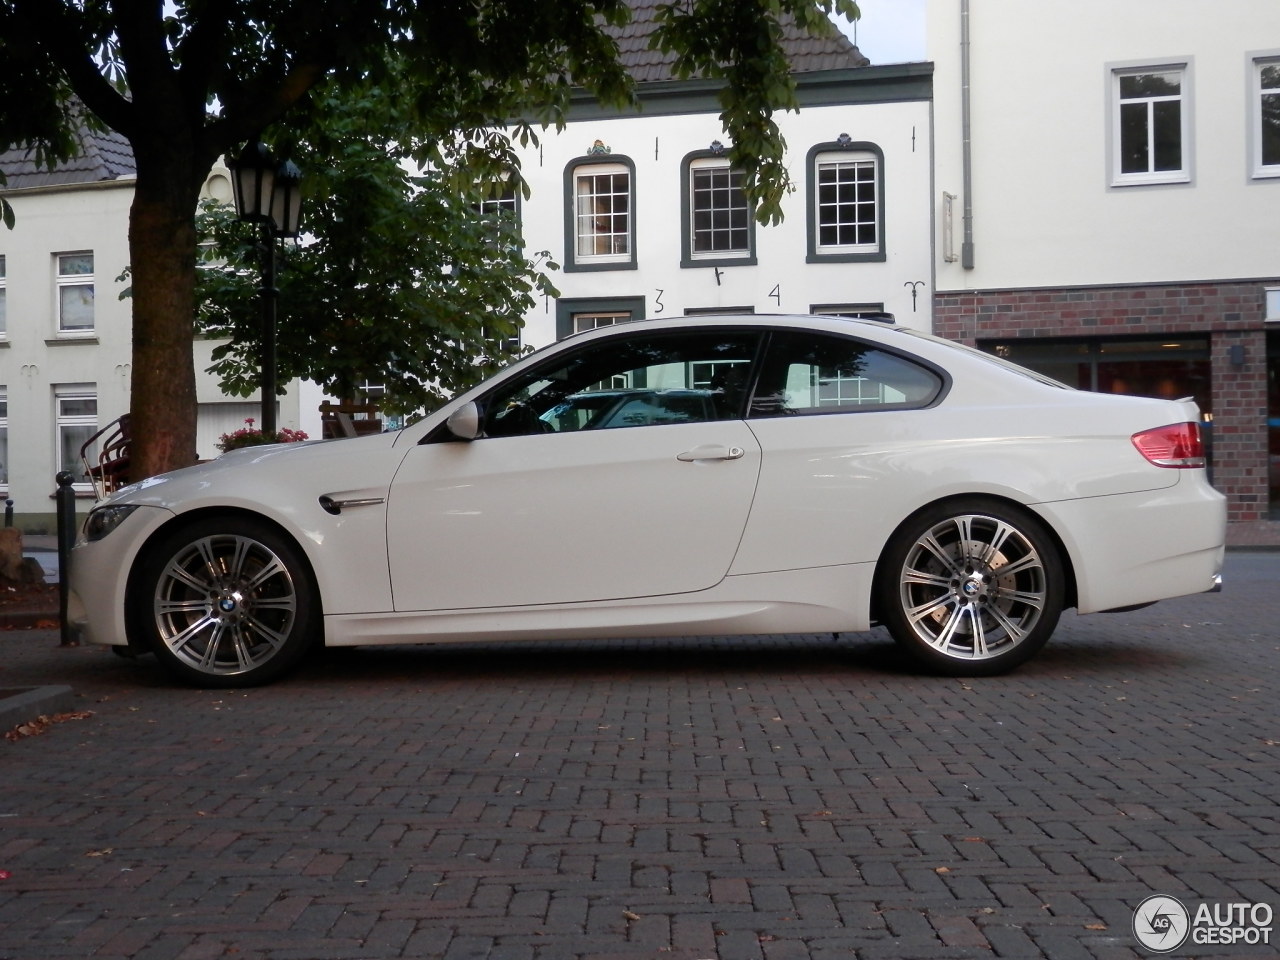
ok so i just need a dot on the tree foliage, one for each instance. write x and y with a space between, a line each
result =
189 80
394 269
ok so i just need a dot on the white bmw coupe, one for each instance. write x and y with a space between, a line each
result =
726 475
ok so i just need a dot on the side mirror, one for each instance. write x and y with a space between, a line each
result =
464 423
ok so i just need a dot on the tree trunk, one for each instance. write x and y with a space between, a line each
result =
162 247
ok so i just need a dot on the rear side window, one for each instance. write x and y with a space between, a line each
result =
807 373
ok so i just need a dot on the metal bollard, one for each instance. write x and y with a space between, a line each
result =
8 513
65 500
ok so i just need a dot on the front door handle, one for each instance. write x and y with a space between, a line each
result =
711 451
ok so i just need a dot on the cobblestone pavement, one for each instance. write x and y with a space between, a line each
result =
764 799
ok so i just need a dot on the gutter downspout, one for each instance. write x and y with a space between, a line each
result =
966 246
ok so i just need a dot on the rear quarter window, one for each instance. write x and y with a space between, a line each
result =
804 373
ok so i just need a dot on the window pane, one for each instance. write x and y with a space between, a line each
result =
1168 134
1271 125
1133 138
75 307
75 264
603 202
77 407
831 374
847 203
719 211
589 321
70 439
4 324
1150 85
4 454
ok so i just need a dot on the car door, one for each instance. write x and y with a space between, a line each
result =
838 421
549 508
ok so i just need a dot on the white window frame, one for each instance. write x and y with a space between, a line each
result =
65 421
1259 63
1271 304
4 322
1118 73
595 319
620 225
737 208
859 162
69 283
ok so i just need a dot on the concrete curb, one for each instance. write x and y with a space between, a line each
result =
26 703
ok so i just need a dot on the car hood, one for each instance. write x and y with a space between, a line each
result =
275 475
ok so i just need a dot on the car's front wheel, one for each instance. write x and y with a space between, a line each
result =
225 602
971 588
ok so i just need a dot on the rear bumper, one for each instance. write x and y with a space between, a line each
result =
1137 548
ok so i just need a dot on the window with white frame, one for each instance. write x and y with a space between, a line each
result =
4 439
3 321
599 318
717 218
76 421
1266 118
1272 304
600 227
578 314
1150 116
75 293
846 202
502 201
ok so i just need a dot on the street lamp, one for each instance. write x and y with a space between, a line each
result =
266 193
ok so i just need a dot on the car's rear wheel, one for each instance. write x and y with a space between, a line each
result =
971 588
225 602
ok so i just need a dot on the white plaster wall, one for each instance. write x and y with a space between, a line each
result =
658 144
1045 213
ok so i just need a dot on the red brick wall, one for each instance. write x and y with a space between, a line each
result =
1229 313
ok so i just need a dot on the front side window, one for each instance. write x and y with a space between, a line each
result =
804 373
1267 118
75 293
601 227
76 421
1151 125
655 379
846 202
718 227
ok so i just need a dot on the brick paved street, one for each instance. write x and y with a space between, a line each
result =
753 799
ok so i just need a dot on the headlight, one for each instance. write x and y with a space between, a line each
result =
102 520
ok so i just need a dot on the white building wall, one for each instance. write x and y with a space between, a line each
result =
35 361
1045 210
781 281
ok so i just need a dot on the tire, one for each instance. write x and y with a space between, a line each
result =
971 588
225 602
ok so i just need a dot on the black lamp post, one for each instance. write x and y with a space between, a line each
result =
266 193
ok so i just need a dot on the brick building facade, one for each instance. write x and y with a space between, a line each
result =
1112 338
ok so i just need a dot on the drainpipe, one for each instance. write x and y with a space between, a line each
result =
966 246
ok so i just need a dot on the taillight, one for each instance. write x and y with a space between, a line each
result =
1177 445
